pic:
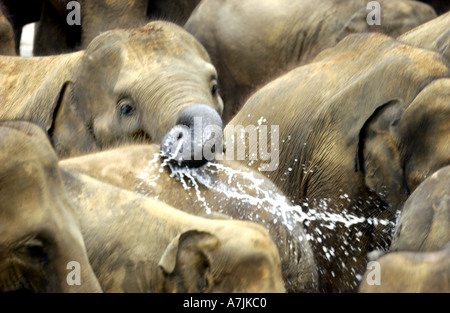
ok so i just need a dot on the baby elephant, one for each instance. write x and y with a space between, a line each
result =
129 85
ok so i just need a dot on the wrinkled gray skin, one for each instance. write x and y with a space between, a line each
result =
39 228
138 244
6 36
433 35
424 223
251 43
129 85
239 193
348 147
409 272
55 36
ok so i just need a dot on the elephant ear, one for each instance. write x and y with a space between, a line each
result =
186 262
67 131
85 96
98 71
377 156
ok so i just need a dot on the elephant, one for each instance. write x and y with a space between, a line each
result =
39 229
128 85
54 35
432 35
355 131
6 36
57 30
20 13
440 6
424 224
285 34
132 243
177 11
409 272
226 188
139 244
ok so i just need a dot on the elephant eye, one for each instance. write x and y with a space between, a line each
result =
37 252
127 107
214 89
35 249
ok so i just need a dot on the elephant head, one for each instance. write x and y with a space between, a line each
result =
395 18
400 146
423 133
377 156
39 231
136 85
198 261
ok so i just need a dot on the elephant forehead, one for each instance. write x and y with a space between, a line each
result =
164 37
159 63
164 55
162 79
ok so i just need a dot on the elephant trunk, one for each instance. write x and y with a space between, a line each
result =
196 137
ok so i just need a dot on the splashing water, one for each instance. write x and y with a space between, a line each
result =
235 187
249 189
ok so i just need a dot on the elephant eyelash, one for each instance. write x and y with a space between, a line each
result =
34 247
21 242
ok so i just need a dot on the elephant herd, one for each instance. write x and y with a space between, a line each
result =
135 145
